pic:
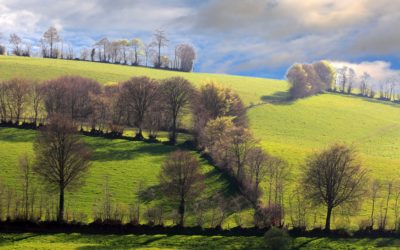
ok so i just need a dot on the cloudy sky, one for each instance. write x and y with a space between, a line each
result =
258 38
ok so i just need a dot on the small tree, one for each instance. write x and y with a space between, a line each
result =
333 177
16 42
182 180
18 90
62 158
25 169
159 40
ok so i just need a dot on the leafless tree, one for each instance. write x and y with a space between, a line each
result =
37 97
16 42
351 77
159 40
333 177
240 145
258 167
140 93
185 55
137 46
4 101
374 195
51 36
70 95
148 52
384 208
25 170
364 84
18 90
84 54
102 45
176 94
182 180
62 158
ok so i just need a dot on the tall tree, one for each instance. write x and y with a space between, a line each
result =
139 94
186 56
137 46
176 94
182 180
62 158
159 40
333 177
51 36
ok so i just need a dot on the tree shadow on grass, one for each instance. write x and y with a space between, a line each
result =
17 135
278 98
178 242
304 244
126 150
388 242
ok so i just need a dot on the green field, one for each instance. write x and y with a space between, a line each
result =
291 130
85 242
124 163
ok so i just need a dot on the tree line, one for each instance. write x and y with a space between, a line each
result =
124 51
310 79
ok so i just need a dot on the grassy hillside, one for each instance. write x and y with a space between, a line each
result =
125 163
37 68
291 130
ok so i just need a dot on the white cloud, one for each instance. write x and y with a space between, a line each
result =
378 70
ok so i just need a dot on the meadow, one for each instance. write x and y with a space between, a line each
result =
29 241
291 130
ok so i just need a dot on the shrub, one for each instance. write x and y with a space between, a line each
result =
276 239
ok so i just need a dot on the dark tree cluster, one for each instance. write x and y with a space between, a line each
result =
310 79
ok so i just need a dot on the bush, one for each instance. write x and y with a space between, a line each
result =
276 238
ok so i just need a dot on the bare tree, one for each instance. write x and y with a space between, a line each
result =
140 93
84 54
102 45
364 84
37 97
137 46
176 93
16 41
351 77
374 194
258 167
18 95
148 51
25 169
51 36
333 177
185 56
62 158
384 209
159 40
182 180
240 145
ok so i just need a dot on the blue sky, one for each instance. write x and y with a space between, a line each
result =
246 37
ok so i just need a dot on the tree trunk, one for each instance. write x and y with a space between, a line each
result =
172 138
181 212
328 219
60 217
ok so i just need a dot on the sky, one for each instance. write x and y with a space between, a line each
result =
245 37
